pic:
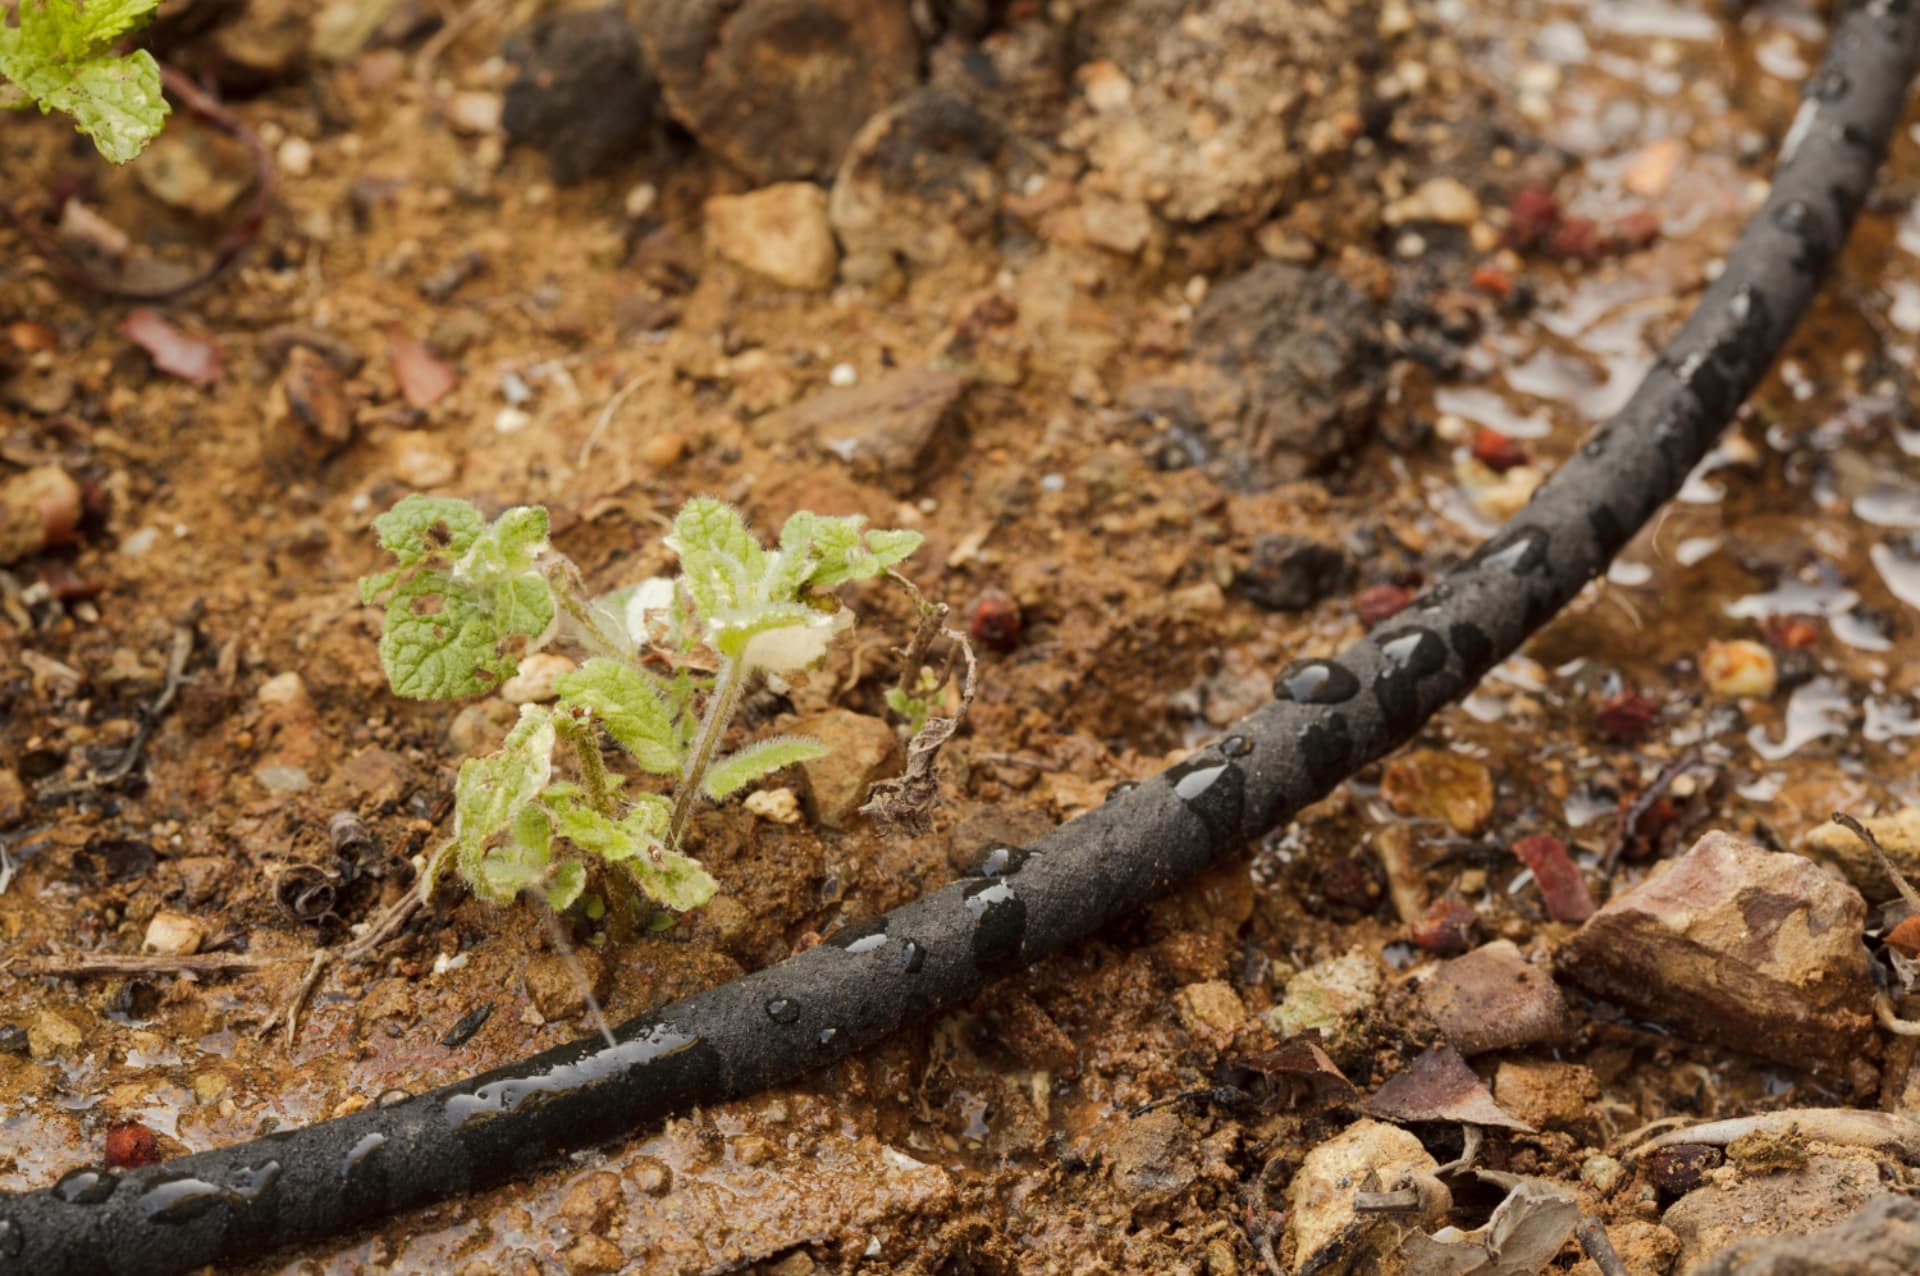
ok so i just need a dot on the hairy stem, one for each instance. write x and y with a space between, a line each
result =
569 592
728 685
586 754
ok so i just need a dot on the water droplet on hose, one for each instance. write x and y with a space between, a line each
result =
1002 860
1213 789
912 957
1828 85
1521 551
360 1151
1121 789
1325 749
783 1010
827 1035
1316 682
13 1238
180 1200
867 943
1191 783
84 1187
248 1183
999 924
1236 746
854 936
1412 654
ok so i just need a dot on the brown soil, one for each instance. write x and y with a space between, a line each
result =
996 1138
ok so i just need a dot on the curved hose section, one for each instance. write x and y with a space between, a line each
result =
1328 718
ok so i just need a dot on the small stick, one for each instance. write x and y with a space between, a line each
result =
1908 895
177 656
1404 1201
80 964
1630 820
1593 1240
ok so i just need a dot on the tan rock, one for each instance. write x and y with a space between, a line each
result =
51 1035
555 986
1830 1190
1545 1094
860 750
778 231
1211 1011
533 682
591 1201
1433 784
1328 1235
887 426
1899 836
1755 950
174 934
594 1256
1493 999
1444 200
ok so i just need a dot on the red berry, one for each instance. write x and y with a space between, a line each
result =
131 1145
994 621
1492 280
1790 633
1496 451
1534 212
1626 717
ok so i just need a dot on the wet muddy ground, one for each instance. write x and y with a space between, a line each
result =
1203 333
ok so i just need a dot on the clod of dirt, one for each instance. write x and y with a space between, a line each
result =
778 88
1830 1190
1222 107
318 417
860 750
1292 573
51 1035
1439 1086
919 180
779 231
1758 951
1328 1233
553 985
1544 1094
594 1256
1435 784
1153 1157
1899 836
1493 999
584 94
1210 1011
1336 998
39 509
1294 356
886 427
591 1201
1882 1239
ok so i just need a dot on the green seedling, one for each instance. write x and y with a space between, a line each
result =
61 58
467 600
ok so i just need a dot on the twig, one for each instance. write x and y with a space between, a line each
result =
150 716
606 415
1593 1240
237 240
1883 1011
1850 1127
1908 895
80 964
1638 808
1404 1201
906 799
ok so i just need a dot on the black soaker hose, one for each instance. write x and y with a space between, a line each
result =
1328 718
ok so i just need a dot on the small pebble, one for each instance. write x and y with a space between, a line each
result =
594 1256
295 157
778 806
283 779
533 684
175 934
843 375
1741 667
283 690
650 1175
663 450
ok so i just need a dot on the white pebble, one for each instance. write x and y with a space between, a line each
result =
843 375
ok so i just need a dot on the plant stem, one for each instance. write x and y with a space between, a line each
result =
727 686
570 593
593 768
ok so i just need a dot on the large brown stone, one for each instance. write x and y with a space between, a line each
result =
1494 999
1827 1191
1746 947
885 428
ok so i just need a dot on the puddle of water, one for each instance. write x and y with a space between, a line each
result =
1815 709
1899 569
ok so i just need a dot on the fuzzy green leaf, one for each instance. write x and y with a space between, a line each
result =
632 704
523 605
439 643
419 528
508 548
720 561
677 881
60 55
564 884
633 836
491 791
737 770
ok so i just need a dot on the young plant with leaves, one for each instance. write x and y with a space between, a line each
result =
60 57
467 600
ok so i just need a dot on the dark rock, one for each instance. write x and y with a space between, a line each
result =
1292 573
1755 950
1493 999
1674 1171
1300 364
919 180
584 94
1883 1239
778 88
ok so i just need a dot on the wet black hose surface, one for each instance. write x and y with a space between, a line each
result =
1327 719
